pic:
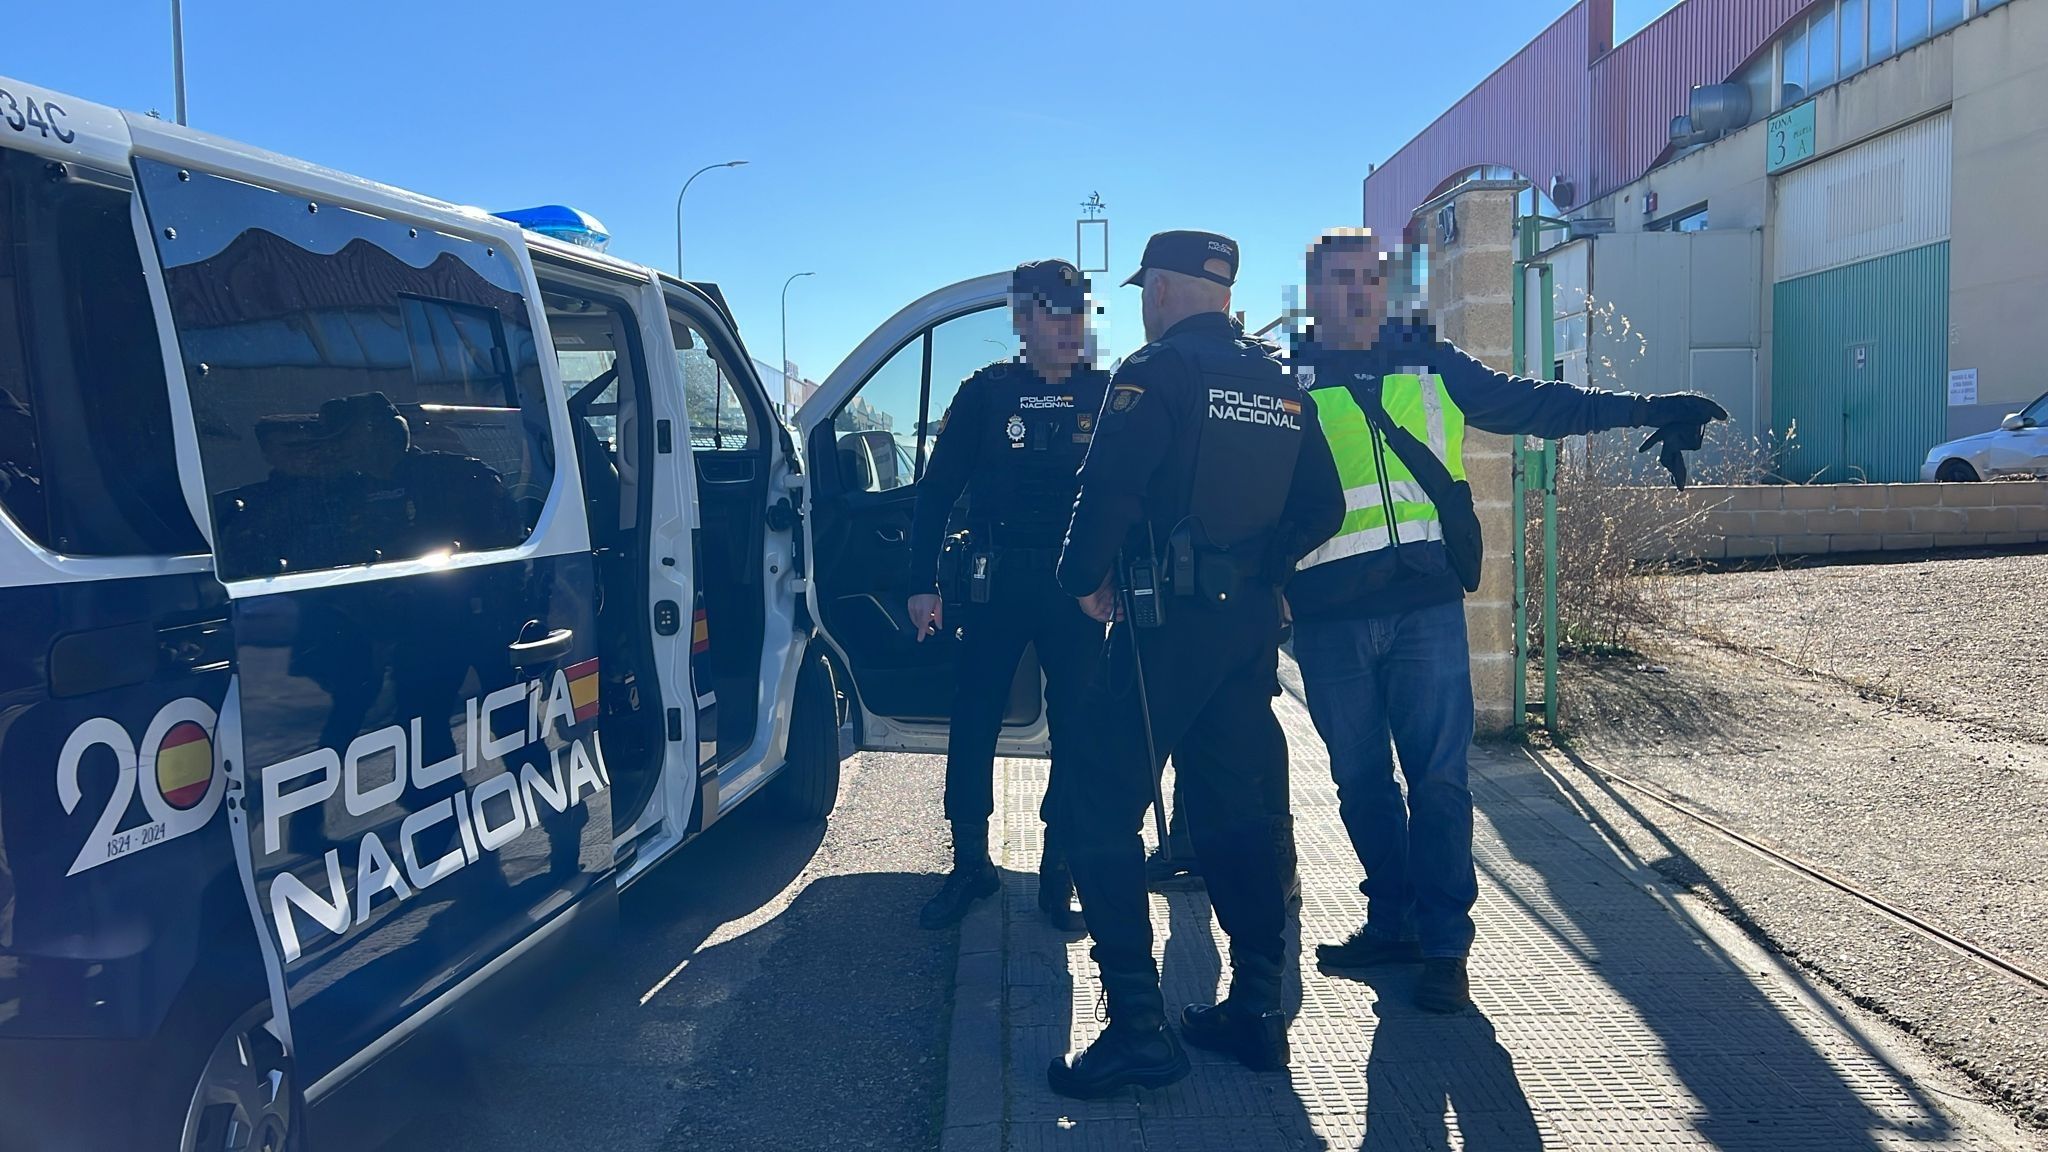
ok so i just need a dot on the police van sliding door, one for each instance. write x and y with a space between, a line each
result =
397 523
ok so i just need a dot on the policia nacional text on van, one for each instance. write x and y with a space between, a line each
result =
1012 440
1379 627
385 585
1206 466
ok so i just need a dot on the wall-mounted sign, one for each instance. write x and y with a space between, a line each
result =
1788 138
1962 387
1860 355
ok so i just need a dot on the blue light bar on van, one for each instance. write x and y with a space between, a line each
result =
562 223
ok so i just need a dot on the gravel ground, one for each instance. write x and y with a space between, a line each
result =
1935 800
803 1007
1962 635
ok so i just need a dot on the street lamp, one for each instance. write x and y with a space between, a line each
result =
178 56
784 366
679 208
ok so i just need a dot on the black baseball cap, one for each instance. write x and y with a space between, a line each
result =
1205 254
1059 284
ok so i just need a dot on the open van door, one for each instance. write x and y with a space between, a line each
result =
868 435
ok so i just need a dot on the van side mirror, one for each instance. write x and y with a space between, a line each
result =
2015 422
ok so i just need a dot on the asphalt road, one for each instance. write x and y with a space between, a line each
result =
770 989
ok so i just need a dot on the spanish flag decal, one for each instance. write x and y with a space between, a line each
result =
583 688
1291 407
700 633
184 765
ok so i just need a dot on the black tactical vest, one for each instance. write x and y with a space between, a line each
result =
1034 435
1250 434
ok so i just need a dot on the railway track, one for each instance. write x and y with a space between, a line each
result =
1779 856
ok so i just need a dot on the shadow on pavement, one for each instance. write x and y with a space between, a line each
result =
1191 971
717 1020
1754 1075
1422 1064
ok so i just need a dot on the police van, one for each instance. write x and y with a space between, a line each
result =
385 586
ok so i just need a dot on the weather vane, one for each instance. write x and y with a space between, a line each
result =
1094 206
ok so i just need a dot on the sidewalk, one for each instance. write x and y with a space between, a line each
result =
1612 1014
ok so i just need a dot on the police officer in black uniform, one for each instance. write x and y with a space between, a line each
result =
1012 440
1208 466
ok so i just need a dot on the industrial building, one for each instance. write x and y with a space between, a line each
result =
1820 213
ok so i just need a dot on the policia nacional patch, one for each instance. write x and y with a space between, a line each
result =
1125 397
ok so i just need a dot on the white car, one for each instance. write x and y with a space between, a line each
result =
2017 447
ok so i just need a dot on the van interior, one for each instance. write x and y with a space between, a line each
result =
604 374
729 440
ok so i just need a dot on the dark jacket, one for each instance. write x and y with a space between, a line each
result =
1406 576
1141 465
1012 443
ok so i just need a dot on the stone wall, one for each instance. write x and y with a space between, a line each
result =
1471 299
1738 523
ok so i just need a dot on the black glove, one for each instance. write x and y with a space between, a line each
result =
1681 420
1681 408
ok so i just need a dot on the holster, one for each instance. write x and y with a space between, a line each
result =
1212 573
967 569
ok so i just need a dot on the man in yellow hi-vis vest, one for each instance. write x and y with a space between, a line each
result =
1379 624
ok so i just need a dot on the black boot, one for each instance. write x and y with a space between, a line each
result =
1443 986
967 883
1363 949
1257 1040
1056 894
1138 1054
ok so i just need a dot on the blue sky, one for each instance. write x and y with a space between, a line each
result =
893 148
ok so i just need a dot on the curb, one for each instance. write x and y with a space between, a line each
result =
974 1118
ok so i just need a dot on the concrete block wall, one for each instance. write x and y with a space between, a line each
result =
1471 300
1753 521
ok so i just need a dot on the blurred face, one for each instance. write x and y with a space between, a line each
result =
1049 336
1347 296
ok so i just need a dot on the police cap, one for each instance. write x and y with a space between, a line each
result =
1204 254
1057 283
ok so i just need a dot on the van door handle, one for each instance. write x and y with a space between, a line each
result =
553 646
889 535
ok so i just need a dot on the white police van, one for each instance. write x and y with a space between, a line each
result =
384 586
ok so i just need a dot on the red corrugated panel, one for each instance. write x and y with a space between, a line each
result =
1548 112
1530 115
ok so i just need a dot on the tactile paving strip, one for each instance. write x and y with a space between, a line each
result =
1605 1018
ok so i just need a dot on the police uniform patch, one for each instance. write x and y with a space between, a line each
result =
1125 397
1086 421
1015 431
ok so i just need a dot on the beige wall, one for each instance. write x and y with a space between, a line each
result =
1471 297
1993 73
1998 257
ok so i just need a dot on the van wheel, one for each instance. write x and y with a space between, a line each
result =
1955 472
808 785
244 1099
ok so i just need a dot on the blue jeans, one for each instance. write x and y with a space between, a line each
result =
1407 677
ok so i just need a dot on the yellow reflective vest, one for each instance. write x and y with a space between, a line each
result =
1383 502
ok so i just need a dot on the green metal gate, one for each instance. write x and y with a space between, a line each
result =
1859 366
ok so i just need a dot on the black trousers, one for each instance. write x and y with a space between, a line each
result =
1026 607
1211 675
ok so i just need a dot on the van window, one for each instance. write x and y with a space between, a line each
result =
719 420
597 349
365 390
883 433
87 463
